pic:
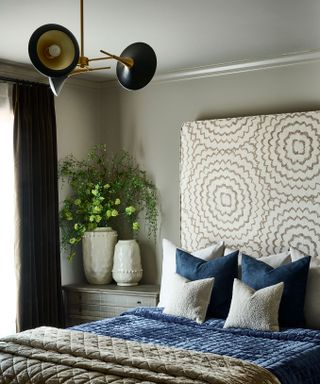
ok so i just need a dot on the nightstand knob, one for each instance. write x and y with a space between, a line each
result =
139 302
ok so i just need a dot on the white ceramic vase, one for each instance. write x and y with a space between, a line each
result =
97 251
127 269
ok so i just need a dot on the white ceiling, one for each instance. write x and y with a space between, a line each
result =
185 34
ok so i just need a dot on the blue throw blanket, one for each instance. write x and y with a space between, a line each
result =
293 355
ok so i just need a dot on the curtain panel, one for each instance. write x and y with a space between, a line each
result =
37 250
7 267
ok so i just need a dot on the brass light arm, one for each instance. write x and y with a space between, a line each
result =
83 70
127 61
100 58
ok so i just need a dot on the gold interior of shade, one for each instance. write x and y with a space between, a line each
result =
61 39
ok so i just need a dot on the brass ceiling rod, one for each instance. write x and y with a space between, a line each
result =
81 30
84 60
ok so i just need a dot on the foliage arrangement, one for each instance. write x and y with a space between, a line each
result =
104 187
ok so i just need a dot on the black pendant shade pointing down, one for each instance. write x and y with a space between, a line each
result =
143 68
56 84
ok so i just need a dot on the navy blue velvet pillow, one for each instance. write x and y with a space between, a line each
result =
258 274
223 269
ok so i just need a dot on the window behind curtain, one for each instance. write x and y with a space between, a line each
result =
7 207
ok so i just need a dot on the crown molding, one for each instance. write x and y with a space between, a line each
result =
76 82
27 72
228 68
20 71
239 66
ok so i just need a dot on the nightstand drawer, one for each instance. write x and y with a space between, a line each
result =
96 311
88 299
84 309
128 301
84 303
84 298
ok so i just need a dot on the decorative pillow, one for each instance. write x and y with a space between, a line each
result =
190 298
254 309
273 260
258 274
169 265
223 269
312 299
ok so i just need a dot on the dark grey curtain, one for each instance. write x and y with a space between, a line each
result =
37 251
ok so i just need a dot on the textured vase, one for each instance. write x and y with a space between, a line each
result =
127 269
97 250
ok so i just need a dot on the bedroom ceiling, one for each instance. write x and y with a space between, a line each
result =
185 34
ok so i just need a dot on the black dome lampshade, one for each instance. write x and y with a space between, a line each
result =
54 52
143 69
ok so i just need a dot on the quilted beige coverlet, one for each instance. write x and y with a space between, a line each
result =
51 355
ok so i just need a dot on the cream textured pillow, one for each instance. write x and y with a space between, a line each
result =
189 299
254 309
169 265
312 300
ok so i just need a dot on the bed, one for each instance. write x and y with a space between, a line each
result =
252 184
289 357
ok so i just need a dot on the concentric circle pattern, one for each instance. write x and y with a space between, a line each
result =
253 182
289 150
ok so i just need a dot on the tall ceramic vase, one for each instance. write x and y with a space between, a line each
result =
127 269
97 250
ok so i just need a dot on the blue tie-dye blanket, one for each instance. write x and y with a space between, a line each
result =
293 355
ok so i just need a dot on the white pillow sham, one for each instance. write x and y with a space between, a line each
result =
169 265
312 300
254 309
190 298
274 261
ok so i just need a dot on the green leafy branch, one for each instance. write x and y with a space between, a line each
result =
105 187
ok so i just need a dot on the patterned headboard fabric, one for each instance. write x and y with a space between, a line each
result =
253 182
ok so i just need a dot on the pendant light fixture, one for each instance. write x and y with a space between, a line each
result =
55 53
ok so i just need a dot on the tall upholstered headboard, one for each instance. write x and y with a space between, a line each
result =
253 182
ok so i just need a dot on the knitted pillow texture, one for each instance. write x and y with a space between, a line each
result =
253 309
189 299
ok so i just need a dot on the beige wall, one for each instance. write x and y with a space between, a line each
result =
149 121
